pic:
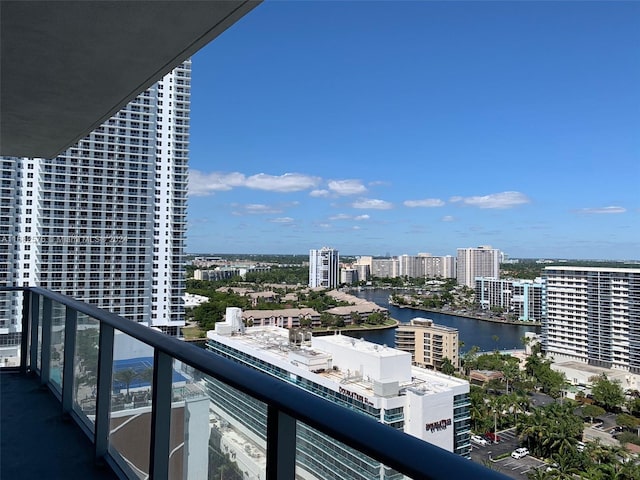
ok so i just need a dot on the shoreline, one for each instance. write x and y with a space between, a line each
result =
472 317
324 332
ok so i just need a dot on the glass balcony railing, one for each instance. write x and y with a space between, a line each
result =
157 407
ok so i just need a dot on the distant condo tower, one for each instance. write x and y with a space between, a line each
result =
324 268
105 221
482 261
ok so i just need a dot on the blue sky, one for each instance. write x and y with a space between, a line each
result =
403 127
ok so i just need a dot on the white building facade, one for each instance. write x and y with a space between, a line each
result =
105 221
520 298
482 261
324 268
378 381
592 316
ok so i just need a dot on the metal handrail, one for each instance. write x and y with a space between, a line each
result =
406 454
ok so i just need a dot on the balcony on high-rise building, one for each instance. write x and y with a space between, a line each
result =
141 399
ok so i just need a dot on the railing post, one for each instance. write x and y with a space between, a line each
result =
26 328
45 352
103 393
68 372
35 321
160 415
281 445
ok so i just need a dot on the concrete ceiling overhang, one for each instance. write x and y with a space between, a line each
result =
67 66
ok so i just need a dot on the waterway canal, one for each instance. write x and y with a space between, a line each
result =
486 335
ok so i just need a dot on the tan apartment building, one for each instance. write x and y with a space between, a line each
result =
428 343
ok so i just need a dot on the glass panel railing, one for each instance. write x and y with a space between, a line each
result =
190 431
10 328
322 457
85 367
56 355
130 412
238 432
38 314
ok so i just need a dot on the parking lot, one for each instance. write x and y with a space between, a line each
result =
511 467
518 468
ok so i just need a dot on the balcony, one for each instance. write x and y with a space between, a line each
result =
139 398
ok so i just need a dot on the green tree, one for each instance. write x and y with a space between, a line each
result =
628 421
628 437
481 420
376 318
591 411
634 406
511 372
326 319
447 366
305 321
125 376
550 381
470 359
607 393
552 429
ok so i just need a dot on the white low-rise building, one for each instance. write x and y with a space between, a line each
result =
376 380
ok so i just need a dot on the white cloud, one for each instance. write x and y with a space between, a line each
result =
494 200
603 210
346 187
282 220
340 216
374 204
202 184
376 183
289 182
355 227
427 202
448 218
255 209
361 217
319 193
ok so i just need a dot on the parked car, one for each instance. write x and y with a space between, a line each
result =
492 437
520 452
479 440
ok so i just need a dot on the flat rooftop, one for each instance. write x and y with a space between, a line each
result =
273 343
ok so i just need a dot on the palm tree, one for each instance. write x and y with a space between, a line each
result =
126 376
510 371
567 466
540 474
533 430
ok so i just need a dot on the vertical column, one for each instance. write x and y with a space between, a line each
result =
103 394
35 319
68 375
45 352
161 415
26 328
281 445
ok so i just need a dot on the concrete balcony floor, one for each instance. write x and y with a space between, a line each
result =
35 441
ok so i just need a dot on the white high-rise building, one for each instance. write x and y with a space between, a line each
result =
592 316
105 221
324 268
482 261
